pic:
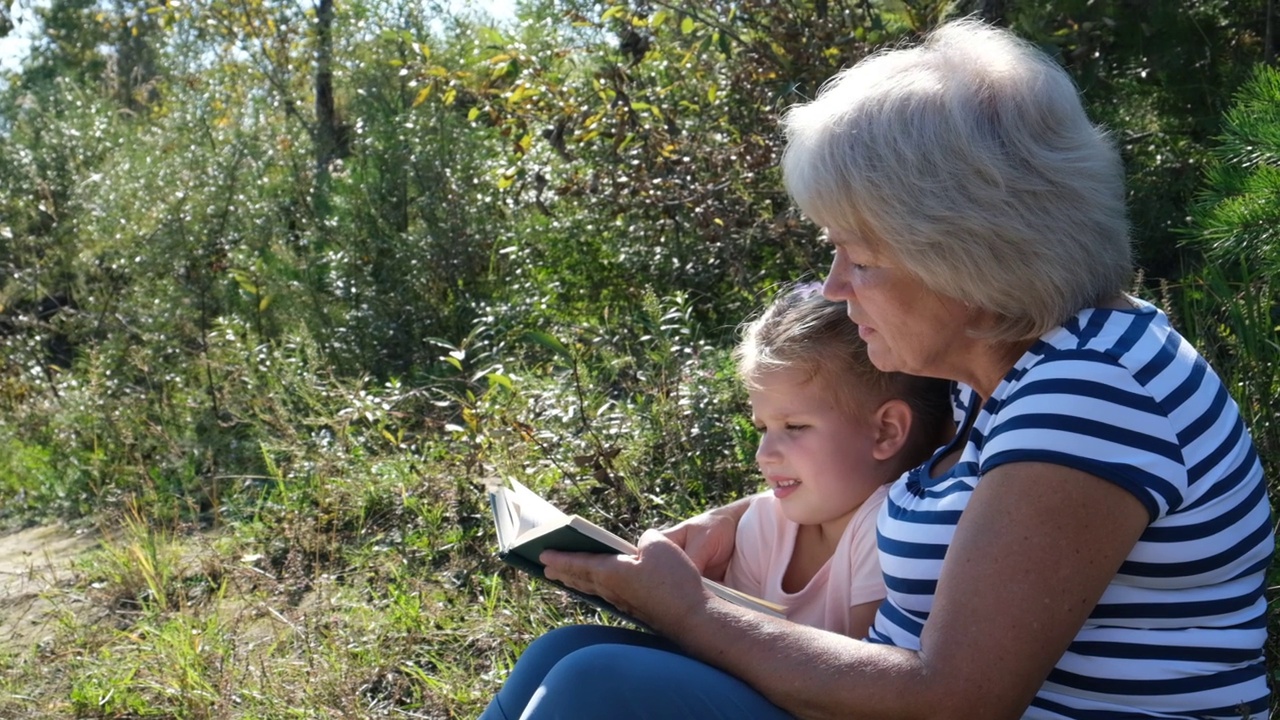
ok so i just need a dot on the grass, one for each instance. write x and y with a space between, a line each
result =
206 624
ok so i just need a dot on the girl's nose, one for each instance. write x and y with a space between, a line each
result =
766 451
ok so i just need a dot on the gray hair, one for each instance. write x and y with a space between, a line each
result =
970 161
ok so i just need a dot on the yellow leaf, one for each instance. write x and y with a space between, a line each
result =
712 92
686 25
718 221
658 18
423 94
473 114
450 95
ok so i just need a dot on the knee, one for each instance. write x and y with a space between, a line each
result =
552 647
603 675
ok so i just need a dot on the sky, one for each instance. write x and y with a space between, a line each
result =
13 47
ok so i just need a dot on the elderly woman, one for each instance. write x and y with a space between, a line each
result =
1094 541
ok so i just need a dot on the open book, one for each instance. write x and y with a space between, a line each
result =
527 524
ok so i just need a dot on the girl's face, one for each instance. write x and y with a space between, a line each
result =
816 455
907 327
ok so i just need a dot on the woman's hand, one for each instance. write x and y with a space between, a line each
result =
708 539
660 586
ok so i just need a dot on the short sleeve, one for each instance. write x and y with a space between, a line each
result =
751 551
1084 411
866 581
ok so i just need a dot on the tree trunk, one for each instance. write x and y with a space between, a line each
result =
992 11
1269 41
328 128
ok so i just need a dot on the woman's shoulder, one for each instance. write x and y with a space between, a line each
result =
1136 341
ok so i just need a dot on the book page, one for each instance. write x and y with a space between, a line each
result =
738 597
531 510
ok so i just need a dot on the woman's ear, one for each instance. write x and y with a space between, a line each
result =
892 425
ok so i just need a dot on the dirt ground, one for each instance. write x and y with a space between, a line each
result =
33 562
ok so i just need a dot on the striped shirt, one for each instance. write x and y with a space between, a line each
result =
1119 394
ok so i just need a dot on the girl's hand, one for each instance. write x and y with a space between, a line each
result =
661 587
708 539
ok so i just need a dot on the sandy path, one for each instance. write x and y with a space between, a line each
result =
32 562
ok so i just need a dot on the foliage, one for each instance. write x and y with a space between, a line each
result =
1159 76
644 138
1236 215
281 286
1233 300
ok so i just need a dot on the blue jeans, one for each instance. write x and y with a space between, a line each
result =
590 671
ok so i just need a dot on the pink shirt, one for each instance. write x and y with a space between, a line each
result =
766 539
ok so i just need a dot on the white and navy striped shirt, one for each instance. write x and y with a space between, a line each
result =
1118 394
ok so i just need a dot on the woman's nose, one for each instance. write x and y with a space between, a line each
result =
833 288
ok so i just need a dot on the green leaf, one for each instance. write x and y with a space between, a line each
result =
548 341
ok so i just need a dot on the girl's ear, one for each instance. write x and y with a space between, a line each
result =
892 425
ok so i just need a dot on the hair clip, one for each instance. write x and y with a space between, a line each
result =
808 289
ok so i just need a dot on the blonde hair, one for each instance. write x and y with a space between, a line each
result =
969 159
803 331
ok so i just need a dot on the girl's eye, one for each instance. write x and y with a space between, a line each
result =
796 426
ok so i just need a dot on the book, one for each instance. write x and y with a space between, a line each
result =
527 524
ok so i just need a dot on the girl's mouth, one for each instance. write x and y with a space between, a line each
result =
783 488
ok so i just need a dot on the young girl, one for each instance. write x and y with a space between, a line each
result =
834 432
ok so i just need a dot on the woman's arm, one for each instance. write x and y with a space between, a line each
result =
1031 556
